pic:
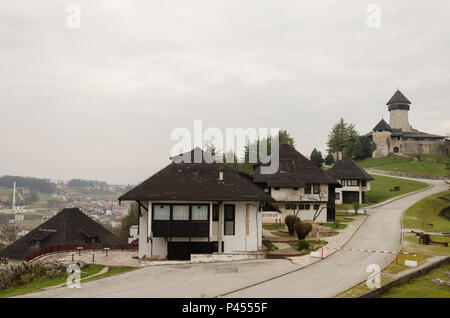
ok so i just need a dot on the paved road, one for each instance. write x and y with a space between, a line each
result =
326 278
345 269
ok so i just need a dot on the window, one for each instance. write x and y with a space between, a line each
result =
353 182
295 189
199 213
307 206
291 206
276 188
316 188
308 188
301 206
363 183
161 212
343 182
180 212
316 206
229 219
338 196
215 212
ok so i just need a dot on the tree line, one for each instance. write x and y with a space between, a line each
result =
36 184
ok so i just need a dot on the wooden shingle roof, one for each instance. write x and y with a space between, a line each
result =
398 98
66 227
294 170
348 169
197 182
382 126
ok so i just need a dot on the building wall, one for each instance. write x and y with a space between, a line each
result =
414 147
240 241
304 215
359 189
398 118
382 139
289 194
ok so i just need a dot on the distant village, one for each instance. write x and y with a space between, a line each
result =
19 214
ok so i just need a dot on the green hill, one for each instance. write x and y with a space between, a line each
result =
431 165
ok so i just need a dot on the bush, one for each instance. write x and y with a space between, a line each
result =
302 229
302 245
356 206
290 220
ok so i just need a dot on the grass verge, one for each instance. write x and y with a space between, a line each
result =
43 282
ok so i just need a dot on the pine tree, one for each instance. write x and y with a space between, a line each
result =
329 159
342 137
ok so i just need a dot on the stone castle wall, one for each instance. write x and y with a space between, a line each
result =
386 145
383 140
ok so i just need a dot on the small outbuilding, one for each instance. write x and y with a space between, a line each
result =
355 181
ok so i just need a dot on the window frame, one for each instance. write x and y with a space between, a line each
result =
225 220
316 188
308 188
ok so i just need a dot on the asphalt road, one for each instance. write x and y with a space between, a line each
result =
327 278
345 269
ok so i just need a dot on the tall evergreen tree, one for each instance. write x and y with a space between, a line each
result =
329 159
342 137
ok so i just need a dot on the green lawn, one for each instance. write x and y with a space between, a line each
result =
273 227
333 226
43 282
381 186
432 165
423 287
425 214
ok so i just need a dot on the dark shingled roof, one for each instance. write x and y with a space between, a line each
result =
294 170
197 182
348 169
382 126
67 227
398 98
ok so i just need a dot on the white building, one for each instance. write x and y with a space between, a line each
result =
298 187
189 208
355 181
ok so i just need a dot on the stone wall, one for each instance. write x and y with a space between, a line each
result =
382 139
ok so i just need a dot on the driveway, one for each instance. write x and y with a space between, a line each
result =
265 278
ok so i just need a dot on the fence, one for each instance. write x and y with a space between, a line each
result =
73 247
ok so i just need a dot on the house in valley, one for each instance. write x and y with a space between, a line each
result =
299 187
355 181
198 207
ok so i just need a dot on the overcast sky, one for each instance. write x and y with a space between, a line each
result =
100 102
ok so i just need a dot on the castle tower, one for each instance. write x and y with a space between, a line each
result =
398 107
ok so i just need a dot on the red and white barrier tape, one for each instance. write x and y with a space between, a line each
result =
370 251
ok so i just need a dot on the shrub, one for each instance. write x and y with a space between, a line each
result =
302 229
356 206
290 220
302 245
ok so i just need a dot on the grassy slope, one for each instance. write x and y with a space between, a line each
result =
425 214
432 165
381 186
422 287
